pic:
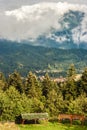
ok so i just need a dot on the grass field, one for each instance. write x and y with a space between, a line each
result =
48 126
52 126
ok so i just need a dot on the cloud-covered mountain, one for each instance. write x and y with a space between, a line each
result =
60 25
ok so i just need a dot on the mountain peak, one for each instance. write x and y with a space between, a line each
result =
54 24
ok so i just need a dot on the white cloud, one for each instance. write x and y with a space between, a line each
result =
58 39
80 33
28 22
12 4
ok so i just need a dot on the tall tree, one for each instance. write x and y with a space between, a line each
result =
83 82
3 83
32 86
47 85
79 105
70 88
51 92
71 71
13 104
54 103
15 80
34 92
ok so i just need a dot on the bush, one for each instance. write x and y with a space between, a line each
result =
42 121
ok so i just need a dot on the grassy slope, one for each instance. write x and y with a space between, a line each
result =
54 126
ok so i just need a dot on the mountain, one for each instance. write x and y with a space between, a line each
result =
58 25
25 58
44 37
64 38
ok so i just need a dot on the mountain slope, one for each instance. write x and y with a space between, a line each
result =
25 58
60 25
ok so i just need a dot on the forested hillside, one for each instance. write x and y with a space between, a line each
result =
32 95
25 58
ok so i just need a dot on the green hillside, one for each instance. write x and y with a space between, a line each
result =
23 57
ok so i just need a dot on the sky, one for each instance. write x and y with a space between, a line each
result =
12 4
27 19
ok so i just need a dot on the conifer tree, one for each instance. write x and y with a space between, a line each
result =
14 104
15 80
47 85
71 71
83 82
3 83
34 92
32 86
79 105
70 88
51 92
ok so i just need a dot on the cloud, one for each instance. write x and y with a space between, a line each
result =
28 22
80 33
11 4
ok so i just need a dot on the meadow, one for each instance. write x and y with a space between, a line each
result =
48 126
52 126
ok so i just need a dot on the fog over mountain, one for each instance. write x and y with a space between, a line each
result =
62 25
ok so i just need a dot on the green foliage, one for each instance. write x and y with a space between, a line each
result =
3 83
37 105
4 103
47 85
12 104
32 95
52 126
79 106
25 58
72 71
15 80
83 82
32 86
69 89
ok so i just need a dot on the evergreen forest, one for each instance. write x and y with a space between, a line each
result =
31 94
24 58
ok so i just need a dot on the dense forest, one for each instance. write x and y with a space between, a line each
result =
25 58
31 94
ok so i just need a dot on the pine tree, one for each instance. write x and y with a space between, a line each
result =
79 105
71 71
3 83
14 103
32 86
15 80
83 82
34 92
51 92
47 85
70 88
